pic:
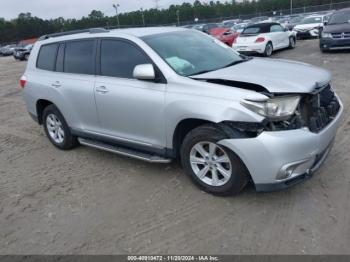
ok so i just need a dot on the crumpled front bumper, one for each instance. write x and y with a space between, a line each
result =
307 33
273 153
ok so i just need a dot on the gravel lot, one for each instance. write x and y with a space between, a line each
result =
87 201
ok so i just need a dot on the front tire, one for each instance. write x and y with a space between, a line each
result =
212 167
268 49
57 130
292 42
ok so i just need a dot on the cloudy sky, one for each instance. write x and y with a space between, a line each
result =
75 8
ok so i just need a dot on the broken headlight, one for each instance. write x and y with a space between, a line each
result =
278 108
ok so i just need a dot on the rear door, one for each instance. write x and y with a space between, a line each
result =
74 81
129 110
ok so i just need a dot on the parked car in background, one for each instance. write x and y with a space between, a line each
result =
198 27
207 27
294 20
232 21
8 50
336 32
187 26
309 27
259 19
264 38
225 35
22 53
239 27
229 119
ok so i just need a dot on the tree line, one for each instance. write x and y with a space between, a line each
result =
27 26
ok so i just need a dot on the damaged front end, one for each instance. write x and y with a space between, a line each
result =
315 111
312 110
291 149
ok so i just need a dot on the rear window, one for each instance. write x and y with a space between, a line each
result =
79 57
47 57
251 30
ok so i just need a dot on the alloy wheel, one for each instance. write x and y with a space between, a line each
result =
55 128
210 163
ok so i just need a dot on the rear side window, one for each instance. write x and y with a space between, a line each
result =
47 57
276 28
119 58
79 57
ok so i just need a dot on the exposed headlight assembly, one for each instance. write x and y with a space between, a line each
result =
278 108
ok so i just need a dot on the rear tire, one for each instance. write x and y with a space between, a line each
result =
268 49
26 57
57 130
222 172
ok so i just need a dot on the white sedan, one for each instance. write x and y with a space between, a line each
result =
310 26
264 38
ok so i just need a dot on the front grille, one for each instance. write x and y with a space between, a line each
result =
319 109
345 35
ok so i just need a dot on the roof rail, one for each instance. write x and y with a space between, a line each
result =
73 32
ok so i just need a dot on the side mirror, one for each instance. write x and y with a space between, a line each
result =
325 22
144 72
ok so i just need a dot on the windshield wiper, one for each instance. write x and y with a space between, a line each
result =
245 59
201 72
238 62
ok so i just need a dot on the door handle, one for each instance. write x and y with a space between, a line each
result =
102 90
56 84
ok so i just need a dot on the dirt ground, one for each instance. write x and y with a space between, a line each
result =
87 201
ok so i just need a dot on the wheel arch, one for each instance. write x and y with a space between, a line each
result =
183 128
41 104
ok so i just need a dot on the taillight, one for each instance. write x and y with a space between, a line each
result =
260 40
22 81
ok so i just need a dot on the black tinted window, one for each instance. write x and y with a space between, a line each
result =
47 57
60 58
119 58
79 57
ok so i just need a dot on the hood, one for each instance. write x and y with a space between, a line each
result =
307 26
277 76
337 28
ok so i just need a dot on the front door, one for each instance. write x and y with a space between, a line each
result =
129 110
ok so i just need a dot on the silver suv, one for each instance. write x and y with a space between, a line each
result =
159 94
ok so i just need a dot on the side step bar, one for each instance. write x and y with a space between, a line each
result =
124 151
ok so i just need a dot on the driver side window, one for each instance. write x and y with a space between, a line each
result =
119 58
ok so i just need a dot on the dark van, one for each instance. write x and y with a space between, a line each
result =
336 33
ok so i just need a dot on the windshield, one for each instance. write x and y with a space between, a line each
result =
296 20
312 20
191 53
340 18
